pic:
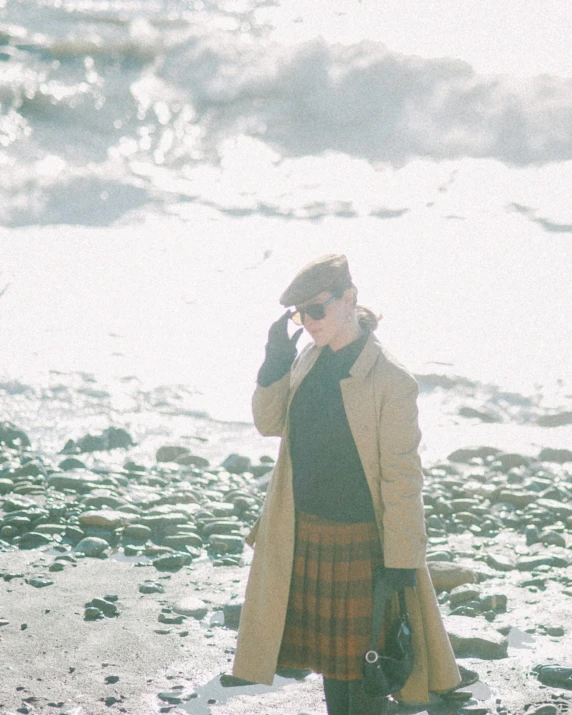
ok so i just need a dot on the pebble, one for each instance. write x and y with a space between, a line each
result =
472 638
91 546
39 582
191 606
151 587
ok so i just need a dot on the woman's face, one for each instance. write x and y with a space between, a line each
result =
330 330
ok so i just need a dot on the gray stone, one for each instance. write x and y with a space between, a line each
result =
510 460
91 546
137 532
192 607
151 587
463 594
71 463
106 518
170 453
6 485
551 538
13 437
236 464
546 709
33 539
499 563
171 620
39 582
446 576
76 481
232 611
172 562
108 608
472 638
554 507
496 602
533 562
555 455
226 543
556 676
466 454
92 614
556 420
178 541
221 527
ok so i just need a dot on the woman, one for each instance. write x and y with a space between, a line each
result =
344 498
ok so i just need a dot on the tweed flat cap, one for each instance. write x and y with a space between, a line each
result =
329 272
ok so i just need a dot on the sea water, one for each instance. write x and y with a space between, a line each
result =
168 166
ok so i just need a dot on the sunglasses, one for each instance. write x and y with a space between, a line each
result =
316 311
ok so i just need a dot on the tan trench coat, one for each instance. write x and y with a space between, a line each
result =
380 402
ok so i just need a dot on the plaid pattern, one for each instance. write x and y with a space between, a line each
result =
328 622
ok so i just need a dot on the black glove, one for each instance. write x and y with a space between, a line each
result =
399 578
280 352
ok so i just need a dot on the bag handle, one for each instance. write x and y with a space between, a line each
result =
382 593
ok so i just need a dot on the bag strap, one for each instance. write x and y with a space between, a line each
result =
382 592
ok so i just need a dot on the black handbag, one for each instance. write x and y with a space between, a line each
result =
385 672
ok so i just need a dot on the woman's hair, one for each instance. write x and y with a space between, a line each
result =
366 317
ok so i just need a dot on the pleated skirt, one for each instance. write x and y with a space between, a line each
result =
328 622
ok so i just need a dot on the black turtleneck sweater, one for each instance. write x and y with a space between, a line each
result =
328 476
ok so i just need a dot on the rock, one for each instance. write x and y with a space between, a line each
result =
533 562
466 454
170 453
151 587
556 420
471 638
555 631
556 676
488 417
39 582
232 611
496 602
510 460
137 532
6 485
221 527
551 538
179 541
171 620
226 543
71 463
440 556
559 456
111 679
499 563
173 697
172 562
446 576
516 497
91 546
108 608
106 517
80 481
236 464
110 438
463 594
33 539
558 508
191 606
546 709
92 614
192 460
13 437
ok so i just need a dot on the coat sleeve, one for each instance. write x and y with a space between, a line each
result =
404 533
269 407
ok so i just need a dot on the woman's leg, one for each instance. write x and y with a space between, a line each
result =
337 696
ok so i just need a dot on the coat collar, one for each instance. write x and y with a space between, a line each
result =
359 370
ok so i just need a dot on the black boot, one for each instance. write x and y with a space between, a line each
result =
361 704
337 696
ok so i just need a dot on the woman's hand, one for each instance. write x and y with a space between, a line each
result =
278 339
280 352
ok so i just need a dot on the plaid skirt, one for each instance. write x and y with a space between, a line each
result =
328 622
